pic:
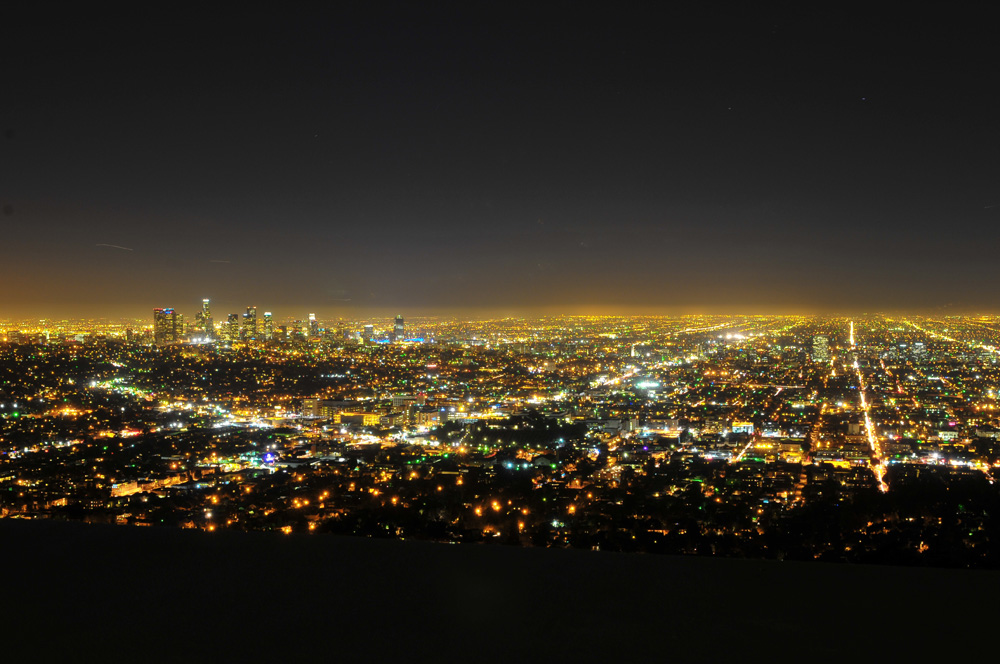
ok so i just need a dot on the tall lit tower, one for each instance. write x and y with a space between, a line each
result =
232 328
313 326
204 320
268 326
249 330
398 329
206 314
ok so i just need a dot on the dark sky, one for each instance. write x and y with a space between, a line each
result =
498 158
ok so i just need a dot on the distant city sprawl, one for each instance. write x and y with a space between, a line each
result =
872 439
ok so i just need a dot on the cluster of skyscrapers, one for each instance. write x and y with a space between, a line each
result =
247 327
169 327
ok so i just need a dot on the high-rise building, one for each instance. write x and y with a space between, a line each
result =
313 326
820 349
206 316
368 333
249 330
232 332
268 326
398 330
203 320
166 326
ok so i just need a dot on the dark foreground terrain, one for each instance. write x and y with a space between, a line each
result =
75 592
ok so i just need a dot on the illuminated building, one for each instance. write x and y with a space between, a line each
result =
249 329
313 326
206 316
268 325
742 427
232 332
398 330
368 333
820 349
203 320
167 326
325 407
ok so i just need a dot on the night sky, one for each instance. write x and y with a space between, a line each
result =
497 158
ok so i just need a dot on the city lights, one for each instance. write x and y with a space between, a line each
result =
498 428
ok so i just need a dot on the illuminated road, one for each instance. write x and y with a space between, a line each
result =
739 457
878 463
658 365
971 344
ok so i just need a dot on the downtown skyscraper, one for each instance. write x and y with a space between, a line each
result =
167 326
